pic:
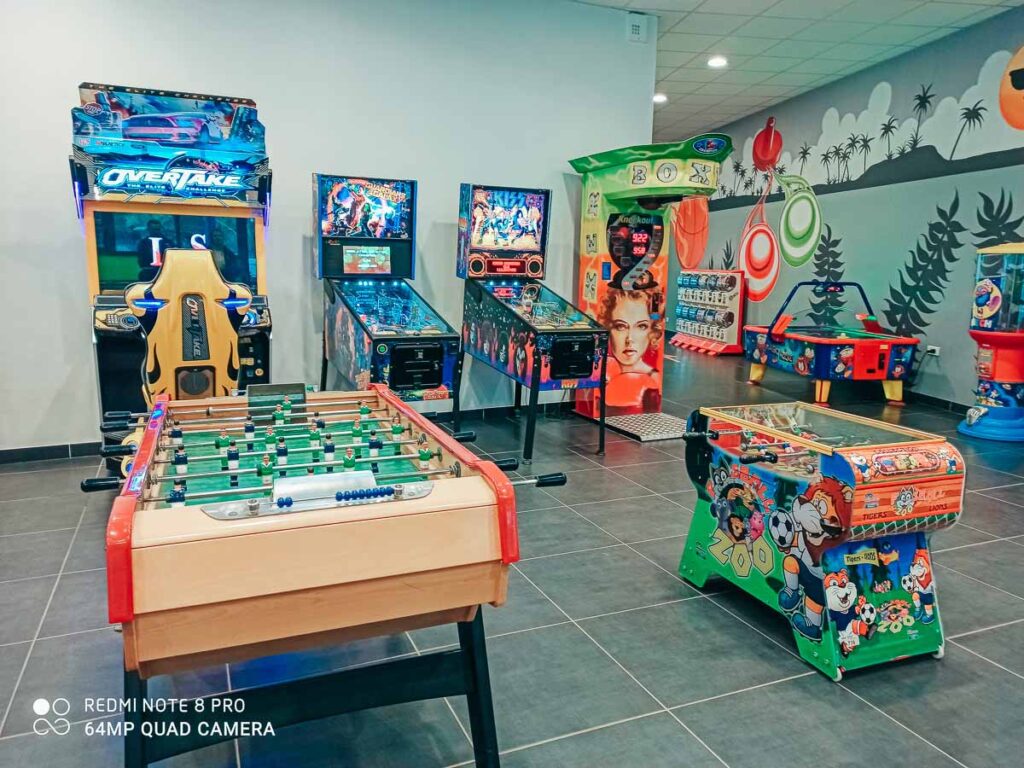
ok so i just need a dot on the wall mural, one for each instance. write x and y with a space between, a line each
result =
958 139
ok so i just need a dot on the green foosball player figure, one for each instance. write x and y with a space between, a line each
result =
221 442
269 438
357 428
349 462
423 449
364 409
396 426
286 406
279 414
265 470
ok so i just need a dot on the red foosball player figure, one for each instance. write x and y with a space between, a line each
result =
177 436
424 451
221 442
180 460
396 425
265 469
364 409
329 451
349 462
176 498
375 444
250 434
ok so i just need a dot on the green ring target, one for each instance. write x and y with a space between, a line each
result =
801 227
382 349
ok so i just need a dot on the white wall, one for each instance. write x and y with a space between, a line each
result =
437 90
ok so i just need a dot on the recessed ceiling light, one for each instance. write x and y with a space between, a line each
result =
717 62
660 98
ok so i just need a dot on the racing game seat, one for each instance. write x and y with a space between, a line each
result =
190 317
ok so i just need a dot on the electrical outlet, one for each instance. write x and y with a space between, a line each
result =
933 350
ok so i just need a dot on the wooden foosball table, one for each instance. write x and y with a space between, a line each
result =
287 519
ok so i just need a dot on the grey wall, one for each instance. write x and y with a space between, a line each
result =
882 213
442 91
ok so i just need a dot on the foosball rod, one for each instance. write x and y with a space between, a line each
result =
170 478
209 411
204 423
293 430
270 449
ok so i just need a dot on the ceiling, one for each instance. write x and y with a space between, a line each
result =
778 49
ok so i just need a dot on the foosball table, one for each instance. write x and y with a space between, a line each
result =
824 516
289 519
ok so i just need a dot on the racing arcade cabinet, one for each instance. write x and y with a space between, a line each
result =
154 174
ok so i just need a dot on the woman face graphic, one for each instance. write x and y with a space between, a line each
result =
630 332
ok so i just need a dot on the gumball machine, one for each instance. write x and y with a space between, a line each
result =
997 325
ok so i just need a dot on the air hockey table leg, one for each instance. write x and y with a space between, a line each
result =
134 742
756 373
821 390
893 392
478 697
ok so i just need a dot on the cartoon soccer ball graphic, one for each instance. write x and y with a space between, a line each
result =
781 529
868 613
907 582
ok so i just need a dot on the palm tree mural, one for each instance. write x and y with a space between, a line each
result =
888 130
913 143
780 169
847 153
996 223
728 256
803 155
828 265
970 118
826 158
921 285
922 106
901 150
852 144
864 147
748 184
738 173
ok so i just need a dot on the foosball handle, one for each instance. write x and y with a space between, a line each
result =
112 415
109 451
507 465
117 425
766 456
93 484
709 435
551 480
466 436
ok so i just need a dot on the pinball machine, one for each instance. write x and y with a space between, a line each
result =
377 327
173 191
512 321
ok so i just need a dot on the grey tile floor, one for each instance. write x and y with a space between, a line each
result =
602 656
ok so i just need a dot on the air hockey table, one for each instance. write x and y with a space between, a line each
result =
816 335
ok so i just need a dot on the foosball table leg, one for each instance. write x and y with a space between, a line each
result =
134 743
821 390
478 697
756 373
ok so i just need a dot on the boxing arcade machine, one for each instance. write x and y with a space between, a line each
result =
377 328
997 325
624 267
173 190
511 320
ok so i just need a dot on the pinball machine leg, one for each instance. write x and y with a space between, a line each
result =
531 411
756 373
603 405
517 403
134 743
456 391
478 697
323 365
821 390
893 392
